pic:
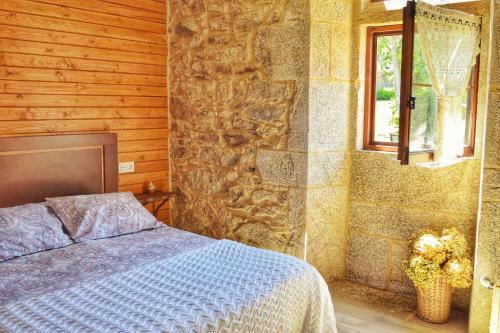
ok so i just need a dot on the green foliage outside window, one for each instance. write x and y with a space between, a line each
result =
389 52
386 94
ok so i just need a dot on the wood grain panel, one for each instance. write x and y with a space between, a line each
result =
61 75
151 166
40 61
67 38
142 145
100 7
147 134
96 125
37 113
138 178
88 67
150 155
78 15
152 5
87 101
91 29
59 50
53 88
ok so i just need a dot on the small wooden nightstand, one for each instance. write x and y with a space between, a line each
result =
158 196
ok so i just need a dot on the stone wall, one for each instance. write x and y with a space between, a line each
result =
329 152
389 202
488 250
237 71
259 124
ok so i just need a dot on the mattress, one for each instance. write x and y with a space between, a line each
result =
162 280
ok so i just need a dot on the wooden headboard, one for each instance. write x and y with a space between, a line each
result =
35 167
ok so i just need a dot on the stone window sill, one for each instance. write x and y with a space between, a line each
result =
440 165
420 160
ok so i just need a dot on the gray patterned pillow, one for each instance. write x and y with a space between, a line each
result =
102 215
28 229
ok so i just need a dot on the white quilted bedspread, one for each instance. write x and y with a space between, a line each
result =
221 287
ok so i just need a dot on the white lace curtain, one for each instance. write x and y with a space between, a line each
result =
450 41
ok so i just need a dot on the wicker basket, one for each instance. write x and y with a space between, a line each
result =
434 303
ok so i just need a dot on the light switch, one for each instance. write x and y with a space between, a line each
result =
126 167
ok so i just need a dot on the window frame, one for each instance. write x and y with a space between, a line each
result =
474 87
373 32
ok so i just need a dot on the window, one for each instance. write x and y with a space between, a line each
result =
384 66
383 74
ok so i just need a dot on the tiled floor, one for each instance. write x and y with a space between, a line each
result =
359 309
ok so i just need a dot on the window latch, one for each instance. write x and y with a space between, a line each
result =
411 103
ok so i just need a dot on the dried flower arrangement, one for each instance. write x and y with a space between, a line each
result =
434 255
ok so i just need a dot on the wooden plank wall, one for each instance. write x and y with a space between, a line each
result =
89 66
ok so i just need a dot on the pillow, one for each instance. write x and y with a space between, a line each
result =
28 229
102 215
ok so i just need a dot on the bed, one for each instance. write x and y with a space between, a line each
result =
156 280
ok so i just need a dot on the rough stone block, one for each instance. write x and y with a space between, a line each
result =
487 264
401 287
327 258
186 28
219 23
495 54
262 91
402 223
326 225
298 119
328 119
283 50
327 168
326 212
367 264
480 308
491 185
321 37
461 299
261 235
492 149
328 10
379 177
247 21
267 112
282 168
206 180
297 221
297 11
224 55
488 252
235 139
216 6
341 52
398 280
187 7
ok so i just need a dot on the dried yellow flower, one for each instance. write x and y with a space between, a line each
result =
422 271
459 272
454 243
429 246
434 255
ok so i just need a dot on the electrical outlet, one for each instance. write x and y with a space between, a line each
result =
126 167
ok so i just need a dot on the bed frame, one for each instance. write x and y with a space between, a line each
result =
36 167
